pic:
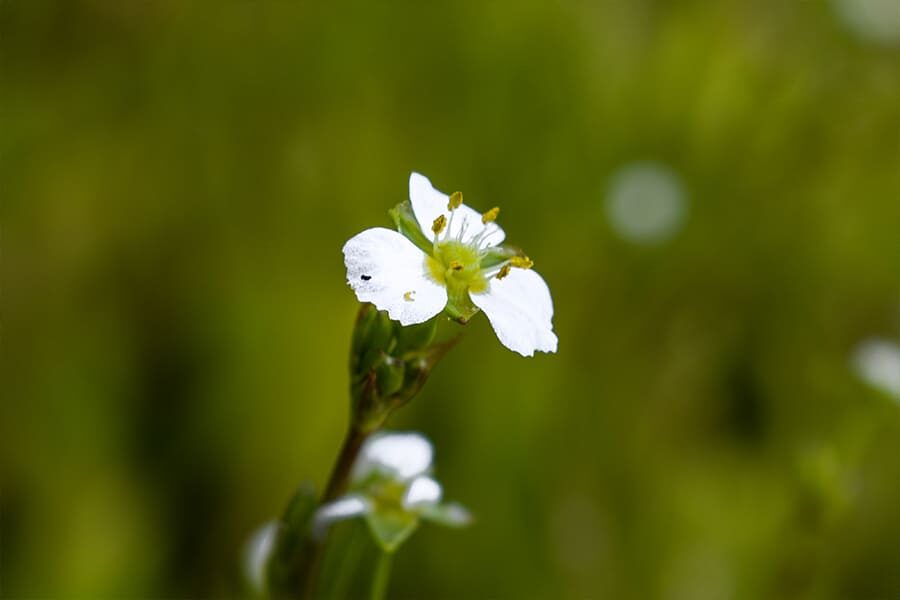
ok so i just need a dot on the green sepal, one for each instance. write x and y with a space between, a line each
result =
390 528
390 376
418 368
460 307
373 335
499 254
406 223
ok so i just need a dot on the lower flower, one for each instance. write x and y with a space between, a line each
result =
392 488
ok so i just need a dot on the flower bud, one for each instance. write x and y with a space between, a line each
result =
389 364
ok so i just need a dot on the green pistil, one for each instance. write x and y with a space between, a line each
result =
458 267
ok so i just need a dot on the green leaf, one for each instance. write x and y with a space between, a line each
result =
284 571
349 562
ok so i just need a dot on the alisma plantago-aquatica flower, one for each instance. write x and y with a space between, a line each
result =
447 257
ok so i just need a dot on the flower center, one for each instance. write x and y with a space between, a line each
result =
467 266
457 266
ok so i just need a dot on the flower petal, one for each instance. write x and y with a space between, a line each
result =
493 235
257 553
422 491
451 514
342 508
428 204
403 456
520 310
388 270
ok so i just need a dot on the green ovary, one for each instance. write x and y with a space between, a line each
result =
458 267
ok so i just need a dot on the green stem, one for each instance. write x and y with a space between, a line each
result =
340 474
337 485
381 577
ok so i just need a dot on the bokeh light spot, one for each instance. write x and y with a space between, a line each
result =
877 361
645 203
872 20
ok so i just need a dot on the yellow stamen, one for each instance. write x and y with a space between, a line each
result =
521 262
504 271
439 224
455 200
456 265
408 296
491 215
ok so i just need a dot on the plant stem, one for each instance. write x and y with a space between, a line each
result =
337 485
340 474
381 577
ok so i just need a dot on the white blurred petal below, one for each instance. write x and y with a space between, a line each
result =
339 510
402 456
422 491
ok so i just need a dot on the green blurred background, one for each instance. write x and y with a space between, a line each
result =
177 180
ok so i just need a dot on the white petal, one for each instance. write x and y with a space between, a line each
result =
403 456
451 514
257 553
428 204
493 236
423 491
388 270
520 310
342 508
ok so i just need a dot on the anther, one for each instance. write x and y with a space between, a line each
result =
456 265
490 216
504 271
521 262
439 224
408 296
455 201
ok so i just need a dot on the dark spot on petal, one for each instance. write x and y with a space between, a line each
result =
366 277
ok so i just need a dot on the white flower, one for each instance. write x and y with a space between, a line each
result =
391 485
459 266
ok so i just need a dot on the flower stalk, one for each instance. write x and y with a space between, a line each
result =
382 576
389 364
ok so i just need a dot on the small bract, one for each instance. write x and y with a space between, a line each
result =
391 486
447 257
